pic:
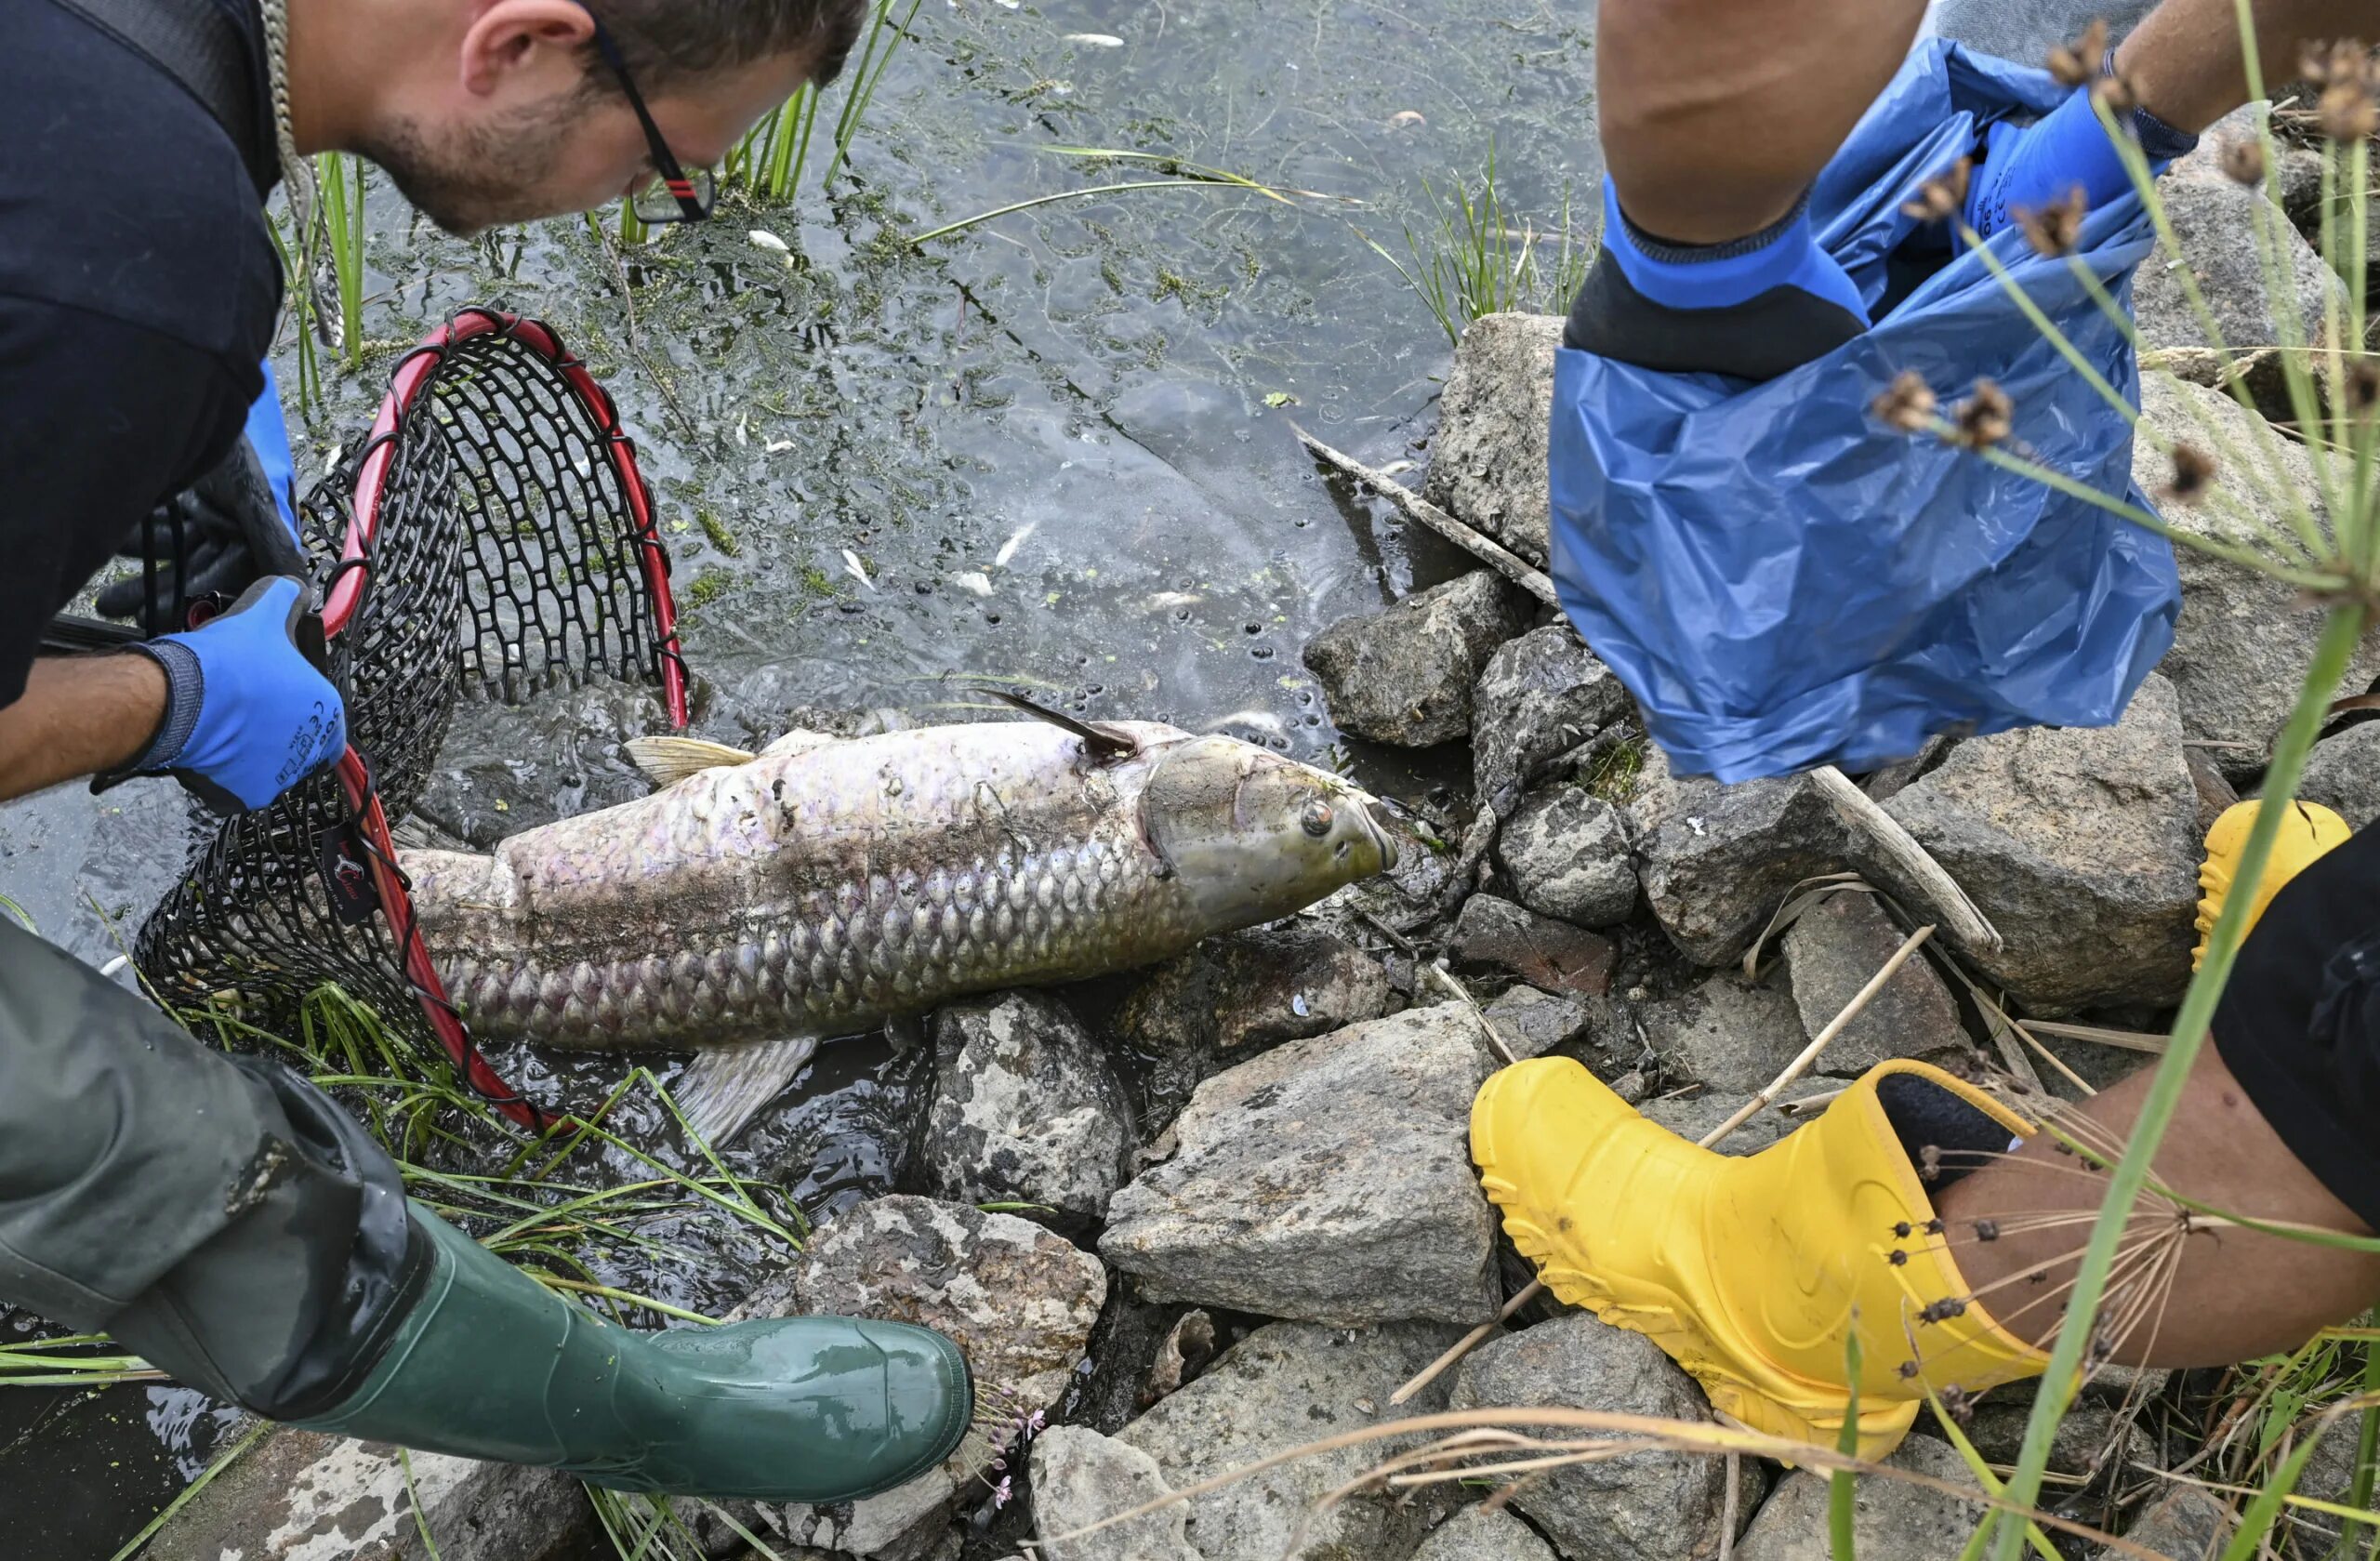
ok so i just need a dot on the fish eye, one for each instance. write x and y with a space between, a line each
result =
1317 819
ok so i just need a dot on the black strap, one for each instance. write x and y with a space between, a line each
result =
198 45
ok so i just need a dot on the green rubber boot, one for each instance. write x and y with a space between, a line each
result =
488 1364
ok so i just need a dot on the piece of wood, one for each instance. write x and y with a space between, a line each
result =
1466 1344
1413 506
1923 877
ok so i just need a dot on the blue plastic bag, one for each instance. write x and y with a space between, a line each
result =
1784 583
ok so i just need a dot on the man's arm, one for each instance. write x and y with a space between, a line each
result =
79 716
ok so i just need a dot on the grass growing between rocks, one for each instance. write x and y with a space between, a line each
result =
1476 256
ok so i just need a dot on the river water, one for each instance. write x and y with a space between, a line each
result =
1100 390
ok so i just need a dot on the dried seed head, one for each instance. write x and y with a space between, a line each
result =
2193 474
2325 64
1943 1310
2346 111
2243 161
1908 404
2053 229
1985 418
2115 90
1897 1258
1929 1162
1938 200
1934 1228
1903 1230
2363 386
1909 1370
2077 60
1987 1230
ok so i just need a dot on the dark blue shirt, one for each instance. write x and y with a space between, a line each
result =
139 290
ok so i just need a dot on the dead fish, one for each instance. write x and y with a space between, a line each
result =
761 902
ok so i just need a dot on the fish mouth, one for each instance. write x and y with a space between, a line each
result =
1381 838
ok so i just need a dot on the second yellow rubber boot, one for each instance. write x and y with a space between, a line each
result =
2308 831
1750 1271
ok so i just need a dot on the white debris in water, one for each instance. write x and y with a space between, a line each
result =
976 581
744 432
768 241
1167 601
1395 468
777 447
859 570
1095 40
1254 721
1009 548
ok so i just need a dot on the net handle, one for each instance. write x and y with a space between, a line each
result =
413 376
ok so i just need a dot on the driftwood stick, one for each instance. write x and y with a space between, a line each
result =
1485 549
1823 1039
1495 1042
1466 1344
1915 869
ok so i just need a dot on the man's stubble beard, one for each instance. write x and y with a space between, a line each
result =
483 176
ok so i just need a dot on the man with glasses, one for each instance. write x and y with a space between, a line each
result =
216 1213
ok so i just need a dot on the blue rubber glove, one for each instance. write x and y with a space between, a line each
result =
2027 166
247 714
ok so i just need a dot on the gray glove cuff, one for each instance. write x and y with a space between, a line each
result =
185 697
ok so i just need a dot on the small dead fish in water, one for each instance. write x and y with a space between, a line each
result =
974 580
768 241
1009 548
823 886
1170 601
1094 40
858 570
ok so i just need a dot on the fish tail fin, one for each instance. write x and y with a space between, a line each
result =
667 760
724 1088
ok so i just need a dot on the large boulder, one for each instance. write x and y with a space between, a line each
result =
2244 642
1504 936
1030 1109
1284 1387
2223 227
1539 697
2024 31
1653 1507
1890 1517
1481 1534
1566 853
2343 773
1236 996
2080 846
1726 1033
1832 953
1716 860
1081 1477
1328 1180
1488 459
1018 1299
1405 675
2182 1521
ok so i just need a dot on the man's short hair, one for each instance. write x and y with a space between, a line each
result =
669 42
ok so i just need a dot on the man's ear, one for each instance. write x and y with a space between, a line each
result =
509 38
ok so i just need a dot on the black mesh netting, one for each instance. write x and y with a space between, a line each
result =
507 546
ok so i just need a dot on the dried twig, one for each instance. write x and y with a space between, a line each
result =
1914 866
1466 1344
1495 1042
1486 550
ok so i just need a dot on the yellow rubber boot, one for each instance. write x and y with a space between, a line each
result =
1750 1271
2308 831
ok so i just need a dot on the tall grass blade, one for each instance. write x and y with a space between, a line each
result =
1842 1510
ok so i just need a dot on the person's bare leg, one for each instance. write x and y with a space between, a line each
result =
2235 1294
2185 63
1716 115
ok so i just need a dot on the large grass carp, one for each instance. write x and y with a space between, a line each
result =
759 903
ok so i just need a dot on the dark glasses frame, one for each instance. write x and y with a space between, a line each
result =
680 196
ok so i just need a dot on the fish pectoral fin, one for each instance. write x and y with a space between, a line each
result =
798 742
725 1087
667 760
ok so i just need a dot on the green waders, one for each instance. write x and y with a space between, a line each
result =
225 1220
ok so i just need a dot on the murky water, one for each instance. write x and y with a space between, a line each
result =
1101 391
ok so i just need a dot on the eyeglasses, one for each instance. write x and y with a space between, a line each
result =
676 195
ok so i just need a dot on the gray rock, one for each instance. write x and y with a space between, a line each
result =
1081 1477
1716 860
1695 1116
1532 1023
1405 675
1724 1033
1892 1517
1328 1180
2024 31
2343 773
1647 1507
2092 1439
2243 642
1539 697
2217 222
301 1496
1235 996
1282 1387
1539 951
1833 951
2080 846
1477 1534
1488 459
2182 1522
1567 850
1028 1109
1019 1300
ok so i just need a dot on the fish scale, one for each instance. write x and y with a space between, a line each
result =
822 891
